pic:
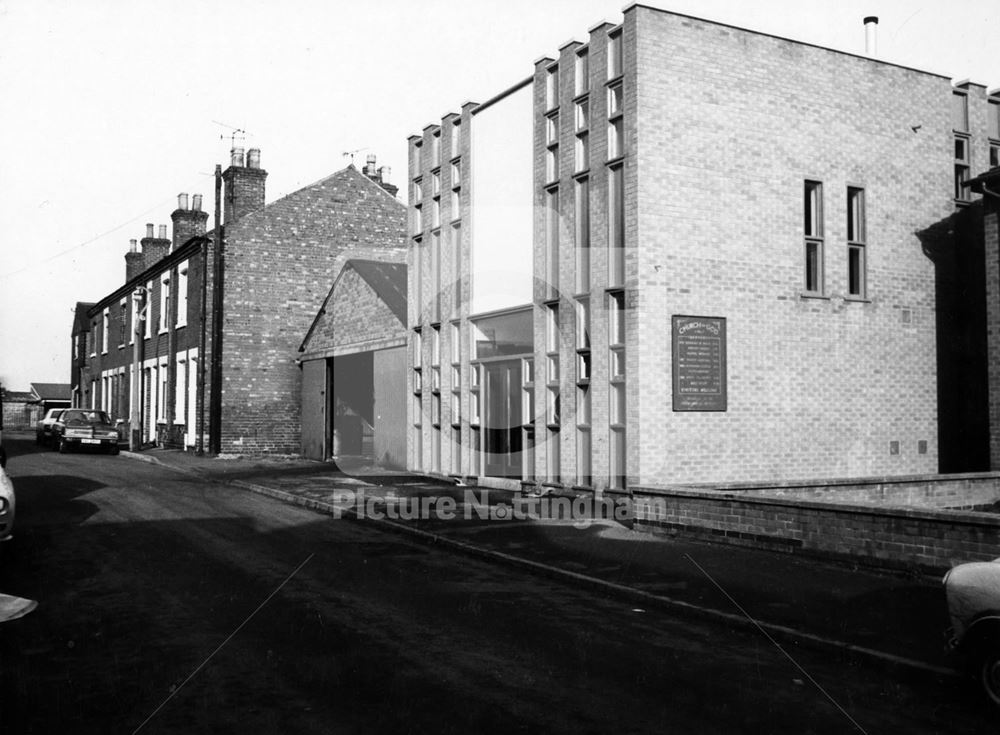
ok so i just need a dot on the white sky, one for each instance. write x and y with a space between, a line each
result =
109 108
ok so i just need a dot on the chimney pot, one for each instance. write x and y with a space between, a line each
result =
132 246
182 201
236 157
871 35
196 202
253 158
163 232
149 229
383 174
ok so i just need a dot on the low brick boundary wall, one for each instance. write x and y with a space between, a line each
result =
918 539
959 491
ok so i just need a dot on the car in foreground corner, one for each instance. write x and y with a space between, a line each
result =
79 428
43 429
6 502
973 594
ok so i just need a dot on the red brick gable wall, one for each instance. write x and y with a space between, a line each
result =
280 264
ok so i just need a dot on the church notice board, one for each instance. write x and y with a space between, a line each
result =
699 355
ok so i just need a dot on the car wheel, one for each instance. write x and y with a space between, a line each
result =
989 675
113 450
54 442
63 446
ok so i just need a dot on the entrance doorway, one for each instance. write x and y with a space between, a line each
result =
502 419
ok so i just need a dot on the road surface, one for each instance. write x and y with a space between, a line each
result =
169 605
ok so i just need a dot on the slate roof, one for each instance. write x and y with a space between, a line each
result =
51 391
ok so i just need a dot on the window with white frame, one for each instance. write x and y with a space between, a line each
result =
105 328
182 294
147 310
164 302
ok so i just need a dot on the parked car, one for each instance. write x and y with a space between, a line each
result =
43 429
6 503
973 593
77 428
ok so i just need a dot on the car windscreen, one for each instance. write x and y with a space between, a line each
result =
82 418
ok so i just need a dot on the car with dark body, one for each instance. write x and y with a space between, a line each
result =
6 495
43 429
79 428
973 595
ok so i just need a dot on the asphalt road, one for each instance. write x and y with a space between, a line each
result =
168 605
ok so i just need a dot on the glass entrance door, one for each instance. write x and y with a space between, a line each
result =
502 420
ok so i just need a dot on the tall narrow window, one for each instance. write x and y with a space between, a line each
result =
552 147
582 73
552 242
436 276
456 268
813 230
582 222
418 281
122 322
456 139
182 294
960 112
147 310
552 88
993 130
616 226
961 168
960 124
856 239
614 55
436 149
105 328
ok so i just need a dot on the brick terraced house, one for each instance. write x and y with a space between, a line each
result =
279 260
685 252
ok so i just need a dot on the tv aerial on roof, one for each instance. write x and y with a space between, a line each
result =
235 132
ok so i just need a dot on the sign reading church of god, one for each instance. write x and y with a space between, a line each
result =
699 352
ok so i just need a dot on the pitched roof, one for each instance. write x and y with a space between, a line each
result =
387 278
51 391
388 281
17 396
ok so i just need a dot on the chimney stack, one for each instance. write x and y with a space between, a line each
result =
379 175
244 185
154 249
133 261
188 223
871 36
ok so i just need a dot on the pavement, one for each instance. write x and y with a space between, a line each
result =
891 618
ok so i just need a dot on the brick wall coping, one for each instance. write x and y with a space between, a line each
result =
823 482
878 60
959 516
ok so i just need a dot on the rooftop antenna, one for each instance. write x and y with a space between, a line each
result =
234 134
352 153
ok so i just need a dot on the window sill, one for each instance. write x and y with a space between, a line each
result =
617 160
963 202
858 299
812 295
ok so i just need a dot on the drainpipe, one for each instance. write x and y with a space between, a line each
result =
215 409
